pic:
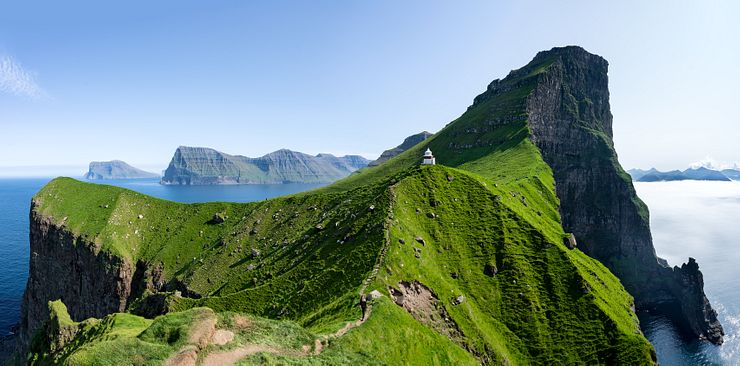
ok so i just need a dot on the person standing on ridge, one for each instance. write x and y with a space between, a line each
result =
363 305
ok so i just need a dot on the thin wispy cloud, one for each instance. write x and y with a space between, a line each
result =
15 80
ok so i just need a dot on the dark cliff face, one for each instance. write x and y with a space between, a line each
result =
571 124
64 266
197 165
67 267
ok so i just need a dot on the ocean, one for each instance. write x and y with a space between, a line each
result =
688 218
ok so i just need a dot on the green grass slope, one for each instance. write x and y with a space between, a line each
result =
109 341
546 304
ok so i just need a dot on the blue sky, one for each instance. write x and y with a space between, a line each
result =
82 81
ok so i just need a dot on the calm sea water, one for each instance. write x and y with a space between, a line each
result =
698 219
701 220
15 200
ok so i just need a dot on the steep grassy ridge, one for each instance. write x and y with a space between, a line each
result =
544 304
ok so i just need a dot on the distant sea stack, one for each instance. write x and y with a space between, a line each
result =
116 169
407 143
205 166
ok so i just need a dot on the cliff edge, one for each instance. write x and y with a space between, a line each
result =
72 268
571 124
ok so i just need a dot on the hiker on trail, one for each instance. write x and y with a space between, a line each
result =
363 305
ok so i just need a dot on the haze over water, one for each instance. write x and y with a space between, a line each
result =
702 220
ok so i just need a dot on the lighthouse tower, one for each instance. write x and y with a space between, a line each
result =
428 158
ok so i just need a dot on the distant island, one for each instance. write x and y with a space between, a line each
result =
701 173
205 166
116 169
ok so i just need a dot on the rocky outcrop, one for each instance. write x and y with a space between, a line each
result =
688 284
407 143
70 268
424 305
571 124
60 329
204 166
116 169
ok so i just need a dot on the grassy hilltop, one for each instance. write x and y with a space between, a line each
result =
468 255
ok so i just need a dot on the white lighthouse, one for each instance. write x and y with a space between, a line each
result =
428 158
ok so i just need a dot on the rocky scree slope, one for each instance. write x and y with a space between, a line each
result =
116 169
199 165
470 257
